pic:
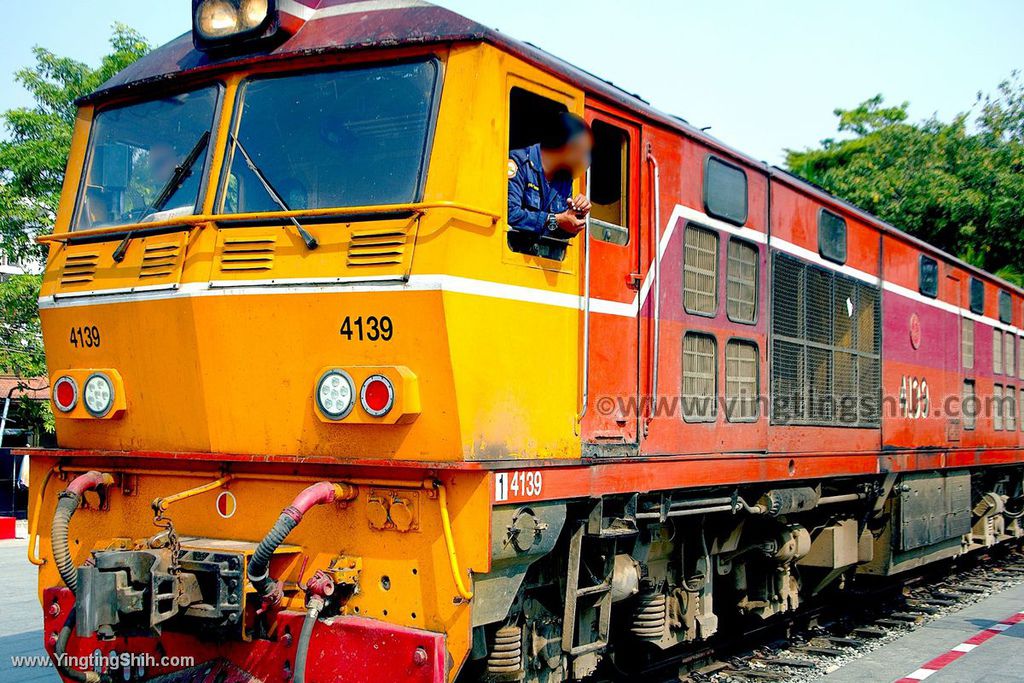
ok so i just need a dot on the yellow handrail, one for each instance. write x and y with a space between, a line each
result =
161 504
449 541
33 525
196 220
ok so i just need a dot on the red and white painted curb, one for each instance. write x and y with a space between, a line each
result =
960 650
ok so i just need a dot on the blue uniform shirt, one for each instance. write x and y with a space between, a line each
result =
531 198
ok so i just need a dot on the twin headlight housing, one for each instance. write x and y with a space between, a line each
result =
222 23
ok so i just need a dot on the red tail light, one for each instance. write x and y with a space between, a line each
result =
65 394
377 395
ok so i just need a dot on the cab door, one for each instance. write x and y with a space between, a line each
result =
611 418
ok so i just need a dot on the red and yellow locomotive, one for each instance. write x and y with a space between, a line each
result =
321 416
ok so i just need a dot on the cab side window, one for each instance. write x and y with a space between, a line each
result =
609 184
530 117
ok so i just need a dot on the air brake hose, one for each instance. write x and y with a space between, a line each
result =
60 652
313 608
67 502
259 564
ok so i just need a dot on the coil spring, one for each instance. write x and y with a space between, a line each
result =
507 653
650 616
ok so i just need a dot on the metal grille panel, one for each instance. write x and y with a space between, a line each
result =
826 349
79 268
700 374
997 351
741 380
788 301
377 246
159 260
1020 365
248 253
1008 353
700 271
969 405
1011 409
997 407
967 342
741 297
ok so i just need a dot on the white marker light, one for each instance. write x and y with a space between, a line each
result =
98 394
335 394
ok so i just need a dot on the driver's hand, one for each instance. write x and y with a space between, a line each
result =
580 204
569 222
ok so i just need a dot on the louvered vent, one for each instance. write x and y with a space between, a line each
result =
79 268
827 347
248 253
377 247
159 260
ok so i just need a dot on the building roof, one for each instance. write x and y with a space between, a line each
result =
36 388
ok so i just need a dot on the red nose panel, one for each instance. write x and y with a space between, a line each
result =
343 650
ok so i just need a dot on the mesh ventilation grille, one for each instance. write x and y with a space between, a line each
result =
826 347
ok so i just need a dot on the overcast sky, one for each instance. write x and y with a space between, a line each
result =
764 75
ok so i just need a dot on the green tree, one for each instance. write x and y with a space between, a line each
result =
957 184
32 161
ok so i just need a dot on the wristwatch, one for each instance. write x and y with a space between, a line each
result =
551 223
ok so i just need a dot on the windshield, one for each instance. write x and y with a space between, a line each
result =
146 160
331 139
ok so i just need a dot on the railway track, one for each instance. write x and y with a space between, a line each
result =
826 636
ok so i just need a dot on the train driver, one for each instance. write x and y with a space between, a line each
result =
540 180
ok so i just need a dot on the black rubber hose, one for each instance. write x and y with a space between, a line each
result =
60 650
302 648
259 563
67 503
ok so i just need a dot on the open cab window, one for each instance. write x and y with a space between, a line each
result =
146 161
609 184
530 117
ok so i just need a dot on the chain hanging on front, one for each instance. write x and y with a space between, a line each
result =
164 522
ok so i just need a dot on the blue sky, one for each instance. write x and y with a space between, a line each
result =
764 75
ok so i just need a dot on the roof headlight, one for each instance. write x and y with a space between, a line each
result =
217 18
253 12
233 24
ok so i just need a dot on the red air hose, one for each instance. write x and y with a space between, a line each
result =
259 564
68 501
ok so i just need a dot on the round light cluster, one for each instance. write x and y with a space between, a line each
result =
65 394
377 395
98 394
221 18
335 394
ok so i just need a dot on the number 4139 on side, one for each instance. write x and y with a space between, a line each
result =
518 484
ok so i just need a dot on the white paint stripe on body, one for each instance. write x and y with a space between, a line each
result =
489 288
297 9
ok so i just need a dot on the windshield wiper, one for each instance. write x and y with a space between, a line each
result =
181 173
310 241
